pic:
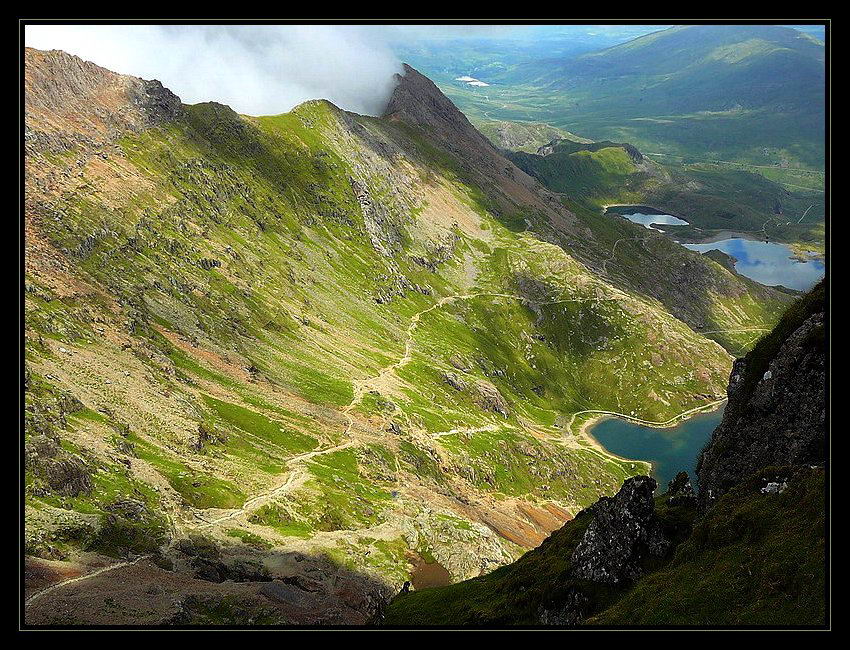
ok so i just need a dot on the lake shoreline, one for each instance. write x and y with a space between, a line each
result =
770 263
710 235
584 430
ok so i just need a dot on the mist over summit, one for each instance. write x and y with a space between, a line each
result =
255 69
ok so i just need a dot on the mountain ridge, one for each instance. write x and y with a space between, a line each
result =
286 358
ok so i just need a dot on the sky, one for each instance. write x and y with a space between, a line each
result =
268 69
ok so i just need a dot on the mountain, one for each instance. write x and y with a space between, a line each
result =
743 93
277 366
748 550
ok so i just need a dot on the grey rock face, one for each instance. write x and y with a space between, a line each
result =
570 612
158 103
490 399
384 234
623 533
680 492
69 476
454 381
781 421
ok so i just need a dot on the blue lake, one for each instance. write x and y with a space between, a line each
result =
669 450
767 262
770 263
648 220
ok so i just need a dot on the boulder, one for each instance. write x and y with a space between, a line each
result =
490 399
624 532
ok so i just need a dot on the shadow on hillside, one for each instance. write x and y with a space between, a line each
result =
199 583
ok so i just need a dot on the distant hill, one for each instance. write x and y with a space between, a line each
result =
703 68
751 93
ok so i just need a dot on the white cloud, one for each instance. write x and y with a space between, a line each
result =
255 69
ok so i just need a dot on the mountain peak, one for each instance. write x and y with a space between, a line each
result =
71 101
418 101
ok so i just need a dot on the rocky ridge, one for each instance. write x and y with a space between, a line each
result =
776 414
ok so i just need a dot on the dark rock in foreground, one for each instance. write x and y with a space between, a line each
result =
776 413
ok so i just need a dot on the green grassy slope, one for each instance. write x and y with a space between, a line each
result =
710 197
247 325
754 559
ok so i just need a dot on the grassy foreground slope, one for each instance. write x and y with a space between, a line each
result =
755 558
316 333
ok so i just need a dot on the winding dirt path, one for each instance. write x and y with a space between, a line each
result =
29 601
250 505
295 463
613 254
743 329
378 381
295 473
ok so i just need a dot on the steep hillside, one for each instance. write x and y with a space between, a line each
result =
283 364
711 198
749 550
756 558
776 413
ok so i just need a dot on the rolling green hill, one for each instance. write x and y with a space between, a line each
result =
743 93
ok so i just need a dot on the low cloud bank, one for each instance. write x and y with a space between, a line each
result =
256 70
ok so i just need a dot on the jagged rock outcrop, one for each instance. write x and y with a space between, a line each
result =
72 102
776 413
489 398
454 381
417 102
623 533
680 492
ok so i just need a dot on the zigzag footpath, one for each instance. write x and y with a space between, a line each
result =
361 386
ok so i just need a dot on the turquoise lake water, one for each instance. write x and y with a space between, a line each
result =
669 450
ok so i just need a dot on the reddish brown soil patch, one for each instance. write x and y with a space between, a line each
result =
545 519
428 574
559 512
514 530
40 573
